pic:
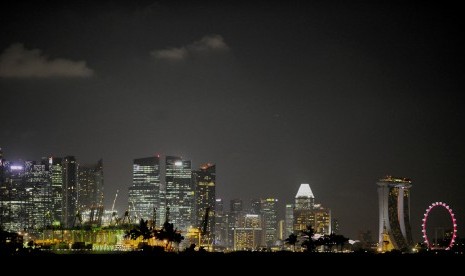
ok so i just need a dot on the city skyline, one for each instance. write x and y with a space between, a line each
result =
143 203
275 94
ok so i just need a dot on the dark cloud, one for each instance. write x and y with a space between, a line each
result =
18 62
208 43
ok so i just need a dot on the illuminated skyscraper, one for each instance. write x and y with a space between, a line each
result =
281 229
37 182
70 190
256 206
269 212
3 190
248 233
25 196
1 167
204 185
303 211
56 173
144 193
289 220
235 211
221 226
179 195
14 215
91 186
394 213
322 220
308 213
235 205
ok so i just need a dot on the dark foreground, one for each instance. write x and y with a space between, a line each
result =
238 263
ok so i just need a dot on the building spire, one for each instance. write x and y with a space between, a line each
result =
304 191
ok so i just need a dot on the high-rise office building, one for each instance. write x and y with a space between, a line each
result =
235 210
91 186
1 167
303 211
304 199
281 230
3 189
221 226
269 212
25 196
248 234
308 213
144 193
322 219
256 206
204 184
235 205
39 208
56 174
289 220
334 226
70 190
394 213
13 200
179 195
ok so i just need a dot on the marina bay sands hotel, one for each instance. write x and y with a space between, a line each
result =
394 214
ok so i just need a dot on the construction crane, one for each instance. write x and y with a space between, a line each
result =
204 234
100 212
113 214
114 201
205 221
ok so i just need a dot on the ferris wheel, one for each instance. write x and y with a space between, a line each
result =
454 224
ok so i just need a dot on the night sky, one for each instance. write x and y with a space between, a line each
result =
276 94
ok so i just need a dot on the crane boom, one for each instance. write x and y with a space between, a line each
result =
205 221
114 201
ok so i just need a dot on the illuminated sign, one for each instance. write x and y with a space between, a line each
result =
178 163
16 167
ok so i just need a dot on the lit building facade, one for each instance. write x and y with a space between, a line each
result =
303 211
256 206
235 211
322 220
91 186
39 208
248 235
13 200
179 195
269 212
394 213
56 174
144 193
289 220
281 230
204 184
221 226
308 213
25 196
70 190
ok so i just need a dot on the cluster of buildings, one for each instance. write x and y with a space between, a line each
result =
51 192
59 192
168 187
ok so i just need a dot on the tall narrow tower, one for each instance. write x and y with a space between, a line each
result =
303 211
144 193
179 193
70 190
204 185
56 174
394 213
